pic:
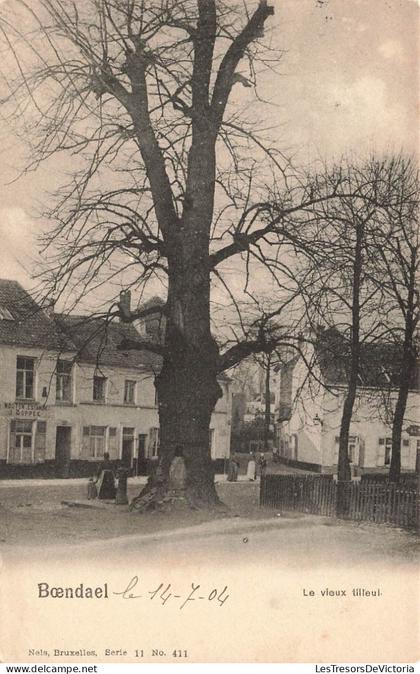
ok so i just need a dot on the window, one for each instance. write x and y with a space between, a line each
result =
211 440
63 381
129 392
99 389
93 441
25 377
5 314
352 448
20 448
387 444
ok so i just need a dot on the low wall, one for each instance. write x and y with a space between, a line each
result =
304 465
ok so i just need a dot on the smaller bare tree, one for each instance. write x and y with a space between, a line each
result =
396 239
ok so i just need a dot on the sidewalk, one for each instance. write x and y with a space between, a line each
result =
60 482
63 482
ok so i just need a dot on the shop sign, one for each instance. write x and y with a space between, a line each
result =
28 410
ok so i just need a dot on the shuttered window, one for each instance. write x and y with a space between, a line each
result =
112 443
40 441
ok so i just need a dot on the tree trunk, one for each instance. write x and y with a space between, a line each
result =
408 362
397 424
187 384
343 469
188 391
267 411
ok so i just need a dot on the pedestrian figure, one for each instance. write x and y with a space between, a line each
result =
105 482
263 465
251 472
233 469
92 492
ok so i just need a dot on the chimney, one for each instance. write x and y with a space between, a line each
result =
125 305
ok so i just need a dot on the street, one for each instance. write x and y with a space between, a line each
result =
33 516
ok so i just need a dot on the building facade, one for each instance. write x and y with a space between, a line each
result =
68 393
310 410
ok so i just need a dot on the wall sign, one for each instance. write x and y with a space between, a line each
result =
22 409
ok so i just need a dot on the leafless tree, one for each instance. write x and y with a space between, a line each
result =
165 188
343 294
396 239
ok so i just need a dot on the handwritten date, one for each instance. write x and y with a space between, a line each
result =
165 593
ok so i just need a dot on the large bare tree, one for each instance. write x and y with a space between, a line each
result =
141 99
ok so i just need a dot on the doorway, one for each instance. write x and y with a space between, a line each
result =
127 447
141 468
62 451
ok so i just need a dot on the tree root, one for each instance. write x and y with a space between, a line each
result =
155 498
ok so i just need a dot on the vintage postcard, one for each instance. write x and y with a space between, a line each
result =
209 320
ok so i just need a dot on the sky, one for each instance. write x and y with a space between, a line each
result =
347 83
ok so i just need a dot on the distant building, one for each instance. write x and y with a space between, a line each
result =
68 393
310 407
248 406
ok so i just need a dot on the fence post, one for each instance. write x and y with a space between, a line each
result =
262 490
342 504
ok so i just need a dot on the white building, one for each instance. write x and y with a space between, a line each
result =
68 393
310 409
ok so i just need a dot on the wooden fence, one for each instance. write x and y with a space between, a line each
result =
379 502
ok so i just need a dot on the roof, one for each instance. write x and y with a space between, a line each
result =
97 341
380 362
93 340
24 323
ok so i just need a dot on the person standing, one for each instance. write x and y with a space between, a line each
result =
233 469
262 464
105 482
251 472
